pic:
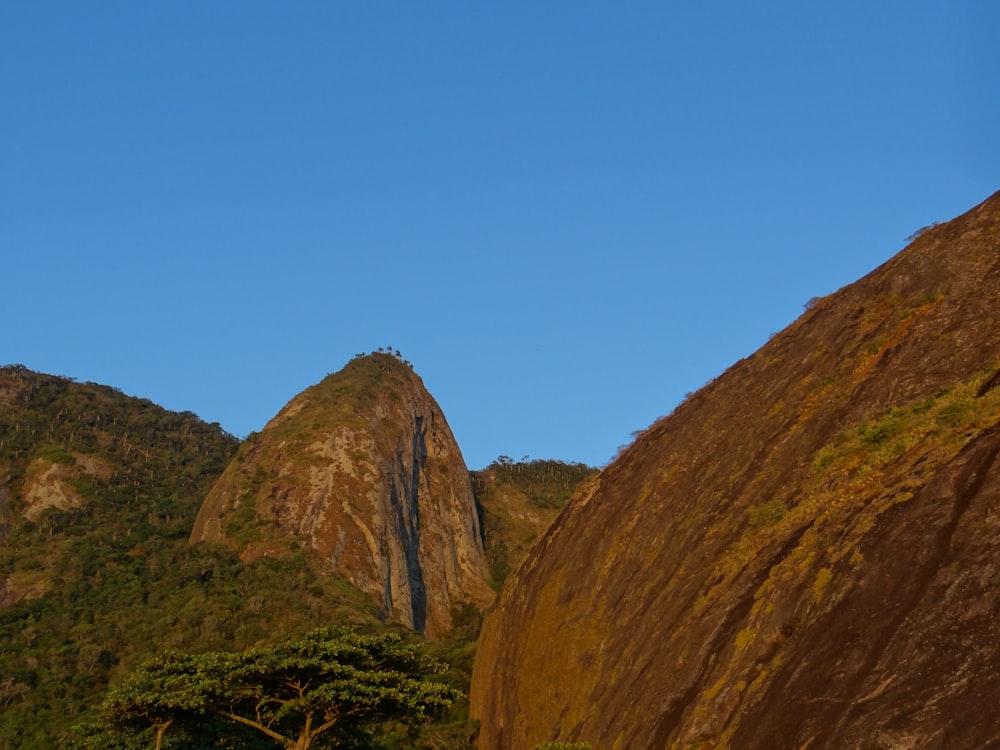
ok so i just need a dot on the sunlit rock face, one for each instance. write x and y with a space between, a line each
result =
362 472
804 554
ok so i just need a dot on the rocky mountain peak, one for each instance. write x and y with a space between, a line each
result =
802 555
363 472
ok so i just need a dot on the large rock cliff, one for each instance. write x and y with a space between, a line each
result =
362 471
804 554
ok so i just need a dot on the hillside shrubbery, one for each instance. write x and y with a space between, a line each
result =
88 593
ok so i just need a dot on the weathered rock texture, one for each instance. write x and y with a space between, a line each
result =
363 472
50 484
804 554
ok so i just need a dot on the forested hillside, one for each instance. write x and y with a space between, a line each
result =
99 582
98 492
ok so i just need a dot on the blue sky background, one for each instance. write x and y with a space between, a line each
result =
565 214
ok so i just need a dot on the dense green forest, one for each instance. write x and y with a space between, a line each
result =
89 591
98 491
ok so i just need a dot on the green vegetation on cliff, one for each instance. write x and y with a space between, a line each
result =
545 483
97 495
518 501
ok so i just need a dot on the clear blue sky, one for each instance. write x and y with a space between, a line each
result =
565 214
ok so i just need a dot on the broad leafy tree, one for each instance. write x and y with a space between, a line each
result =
332 685
171 690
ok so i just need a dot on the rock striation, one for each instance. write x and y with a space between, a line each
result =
804 554
363 473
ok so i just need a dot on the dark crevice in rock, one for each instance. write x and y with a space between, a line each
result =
989 385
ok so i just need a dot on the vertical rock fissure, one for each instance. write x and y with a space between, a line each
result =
362 471
418 591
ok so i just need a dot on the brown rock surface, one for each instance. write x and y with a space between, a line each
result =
804 554
50 484
363 472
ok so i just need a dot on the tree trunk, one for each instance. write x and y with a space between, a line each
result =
306 735
161 729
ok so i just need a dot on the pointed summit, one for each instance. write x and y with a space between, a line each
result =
363 473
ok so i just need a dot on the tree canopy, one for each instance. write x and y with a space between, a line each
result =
333 683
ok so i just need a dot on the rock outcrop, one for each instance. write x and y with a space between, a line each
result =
363 472
804 554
